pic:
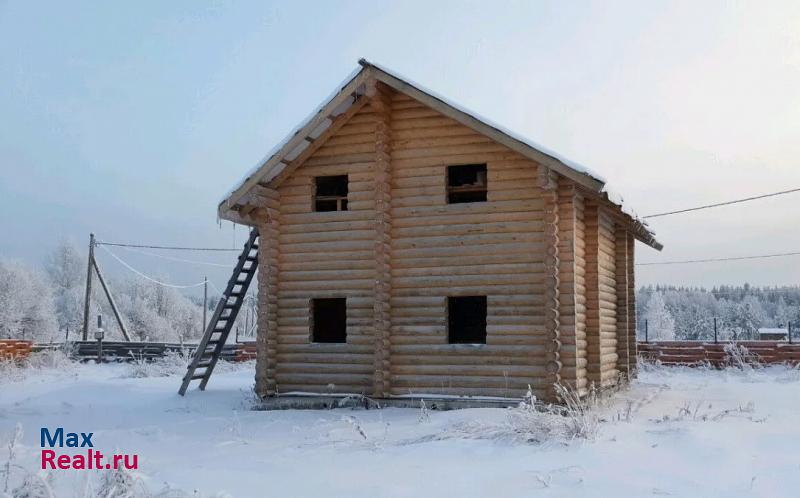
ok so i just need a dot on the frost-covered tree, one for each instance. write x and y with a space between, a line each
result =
26 304
157 313
782 313
660 323
65 269
739 310
693 312
741 320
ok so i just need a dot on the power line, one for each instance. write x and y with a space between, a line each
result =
180 260
215 287
147 277
746 199
709 260
172 248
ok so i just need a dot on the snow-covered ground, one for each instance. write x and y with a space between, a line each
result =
676 432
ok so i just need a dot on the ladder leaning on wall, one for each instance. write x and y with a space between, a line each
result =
221 324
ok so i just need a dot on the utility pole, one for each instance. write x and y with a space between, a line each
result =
88 297
111 301
715 330
205 302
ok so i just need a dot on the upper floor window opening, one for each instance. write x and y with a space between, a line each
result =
466 183
330 193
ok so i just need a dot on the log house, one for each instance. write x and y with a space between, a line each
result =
411 248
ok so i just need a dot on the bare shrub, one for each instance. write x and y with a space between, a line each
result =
582 421
538 423
10 371
700 411
424 414
33 486
172 363
356 425
50 358
13 441
740 357
121 483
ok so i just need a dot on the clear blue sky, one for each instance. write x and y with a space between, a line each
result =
131 119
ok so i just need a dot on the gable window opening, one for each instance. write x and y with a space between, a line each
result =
330 193
466 183
329 320
466 320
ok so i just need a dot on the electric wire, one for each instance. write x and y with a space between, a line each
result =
180 260
710 260
148 277
213 286
171 248
132 247
726 203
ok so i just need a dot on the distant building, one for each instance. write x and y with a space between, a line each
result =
773 334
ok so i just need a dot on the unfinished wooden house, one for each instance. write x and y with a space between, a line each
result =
410 248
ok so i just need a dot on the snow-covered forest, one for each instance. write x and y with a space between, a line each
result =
42 304
688 313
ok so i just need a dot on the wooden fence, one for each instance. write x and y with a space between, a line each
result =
130 351
697 353
13 349
665 352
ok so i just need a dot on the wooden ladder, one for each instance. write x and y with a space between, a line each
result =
210 347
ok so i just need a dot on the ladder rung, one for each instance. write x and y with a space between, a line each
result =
216 335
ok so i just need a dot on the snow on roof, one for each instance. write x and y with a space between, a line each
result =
773 330
269 173
516 136
253 170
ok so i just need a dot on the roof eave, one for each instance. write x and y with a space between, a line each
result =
274 161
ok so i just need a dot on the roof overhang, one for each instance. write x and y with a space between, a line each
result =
282 158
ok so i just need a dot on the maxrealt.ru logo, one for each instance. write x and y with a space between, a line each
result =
91 459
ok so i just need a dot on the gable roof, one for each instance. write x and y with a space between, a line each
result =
342 103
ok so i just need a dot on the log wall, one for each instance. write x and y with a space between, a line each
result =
581 299
621 281
494 248
632 347
544 255
607 300
327 255
569 300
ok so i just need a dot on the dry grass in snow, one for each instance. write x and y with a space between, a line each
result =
676 432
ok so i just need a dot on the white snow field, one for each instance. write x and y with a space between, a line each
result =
676 432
